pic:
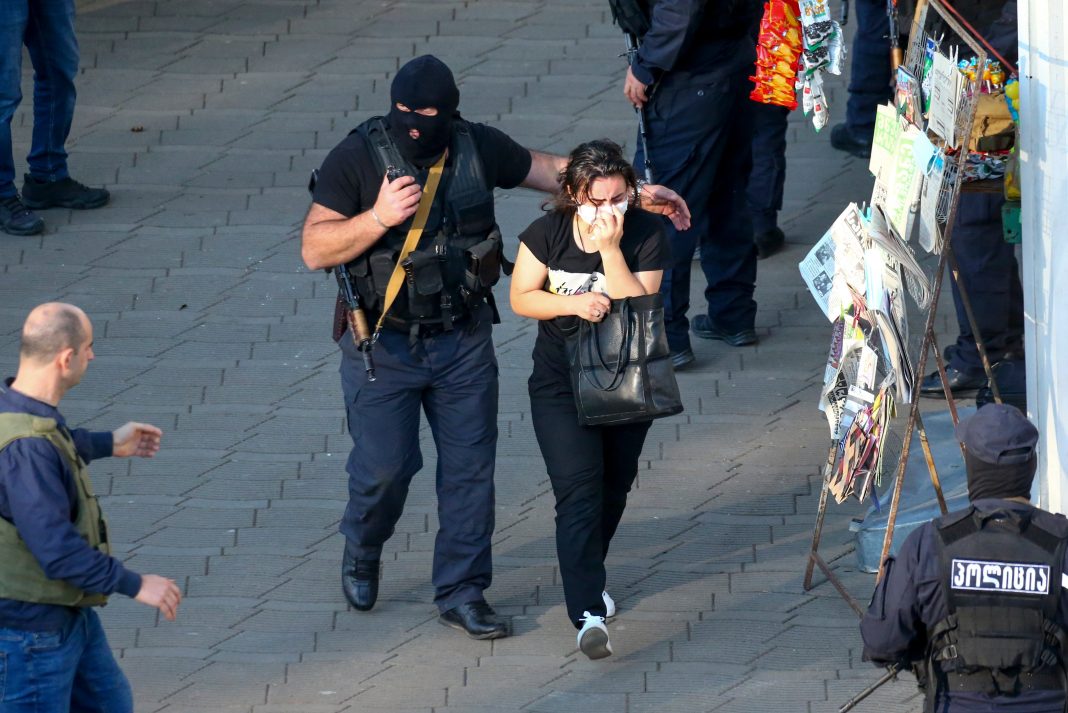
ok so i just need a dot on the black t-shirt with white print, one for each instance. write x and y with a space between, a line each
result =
573 271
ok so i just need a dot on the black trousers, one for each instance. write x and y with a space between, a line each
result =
768 176
700 144
591 469
991 275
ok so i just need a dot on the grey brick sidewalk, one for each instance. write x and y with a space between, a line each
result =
204 117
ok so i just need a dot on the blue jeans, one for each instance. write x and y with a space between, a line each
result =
59 671
46 27
452 378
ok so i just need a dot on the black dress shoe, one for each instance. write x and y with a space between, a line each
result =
769 242
477 619
703 327
959 382
682 359
844 140
359 580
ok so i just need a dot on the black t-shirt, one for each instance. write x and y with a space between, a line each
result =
349 182
573 271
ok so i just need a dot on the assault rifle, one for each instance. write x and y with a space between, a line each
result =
357 318
897 56
891 674
643 132
361 332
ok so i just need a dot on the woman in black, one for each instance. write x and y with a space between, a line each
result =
591 247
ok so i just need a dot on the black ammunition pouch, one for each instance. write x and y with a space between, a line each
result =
459 256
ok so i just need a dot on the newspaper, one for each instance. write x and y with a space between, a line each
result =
897 182
834 267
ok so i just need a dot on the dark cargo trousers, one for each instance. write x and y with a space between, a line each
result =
869 69
768 176
700 134
991 277
452 378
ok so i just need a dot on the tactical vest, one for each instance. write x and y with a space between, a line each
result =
460 254
21 577
1001 574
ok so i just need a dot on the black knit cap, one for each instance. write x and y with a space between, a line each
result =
999 452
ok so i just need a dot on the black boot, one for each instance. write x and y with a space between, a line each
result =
359 580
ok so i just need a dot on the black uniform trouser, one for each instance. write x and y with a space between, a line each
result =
768 176
700 135
991 276
452 378
591 469
869 70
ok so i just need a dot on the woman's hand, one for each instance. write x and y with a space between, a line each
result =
591 306
606 231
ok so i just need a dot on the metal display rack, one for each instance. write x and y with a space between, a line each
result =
929 15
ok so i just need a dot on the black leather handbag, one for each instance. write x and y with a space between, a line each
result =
621 370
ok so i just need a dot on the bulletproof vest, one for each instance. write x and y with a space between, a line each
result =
460 254
1001 574
21 577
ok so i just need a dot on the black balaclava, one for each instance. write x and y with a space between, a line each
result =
993 480
999 452
423 82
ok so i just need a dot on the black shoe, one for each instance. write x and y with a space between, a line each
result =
17 219
359 580
477 619
64 193
1012 384
769 242
702 327
844 140
960 383
682 359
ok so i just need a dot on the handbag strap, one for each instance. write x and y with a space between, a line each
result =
396 278
618 370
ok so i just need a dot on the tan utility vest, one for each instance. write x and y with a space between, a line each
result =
21 577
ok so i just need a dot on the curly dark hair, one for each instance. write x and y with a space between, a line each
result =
586 163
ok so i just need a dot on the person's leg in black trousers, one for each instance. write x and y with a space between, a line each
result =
589 499
622 446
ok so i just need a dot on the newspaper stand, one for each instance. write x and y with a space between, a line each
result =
929 15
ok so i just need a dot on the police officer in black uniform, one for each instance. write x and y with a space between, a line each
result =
976 598
691 74
435 350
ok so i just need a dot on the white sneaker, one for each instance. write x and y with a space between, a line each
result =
593 637
609 605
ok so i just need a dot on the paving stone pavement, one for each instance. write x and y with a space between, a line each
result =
203 118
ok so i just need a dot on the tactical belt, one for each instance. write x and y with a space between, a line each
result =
984 682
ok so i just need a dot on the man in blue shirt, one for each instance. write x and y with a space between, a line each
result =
691 74
55 562
976 598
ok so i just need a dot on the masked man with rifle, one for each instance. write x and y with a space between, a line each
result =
404 205
689 77
977 598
